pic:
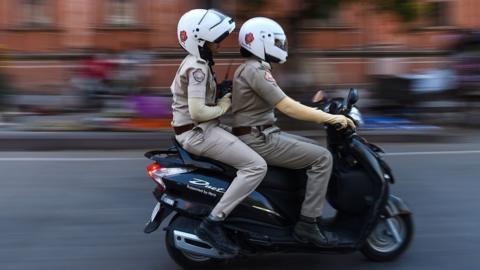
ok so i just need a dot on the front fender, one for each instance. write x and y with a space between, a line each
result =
396 206
367 158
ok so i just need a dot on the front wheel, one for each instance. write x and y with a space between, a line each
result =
390 238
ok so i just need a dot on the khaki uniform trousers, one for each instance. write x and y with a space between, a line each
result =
295 152
213 142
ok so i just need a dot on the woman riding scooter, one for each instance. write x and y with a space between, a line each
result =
195 118
255 96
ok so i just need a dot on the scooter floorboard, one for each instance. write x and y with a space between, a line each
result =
283 236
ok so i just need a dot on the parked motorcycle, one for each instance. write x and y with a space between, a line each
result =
368 218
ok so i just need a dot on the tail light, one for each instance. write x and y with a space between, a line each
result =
152 170
157 172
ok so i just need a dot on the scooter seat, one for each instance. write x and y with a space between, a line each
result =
204 162
277 177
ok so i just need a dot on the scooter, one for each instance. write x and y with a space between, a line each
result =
368 218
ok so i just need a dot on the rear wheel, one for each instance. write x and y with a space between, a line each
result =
389 239
185 259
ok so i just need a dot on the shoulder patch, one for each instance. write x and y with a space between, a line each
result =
198 75
269 77
183 36
249 38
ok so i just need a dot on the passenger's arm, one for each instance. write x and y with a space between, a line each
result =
197 87
266 87
299 111
201 112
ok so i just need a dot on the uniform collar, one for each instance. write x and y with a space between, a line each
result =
266 64
199 59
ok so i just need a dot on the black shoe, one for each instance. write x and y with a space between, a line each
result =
307 230
212 232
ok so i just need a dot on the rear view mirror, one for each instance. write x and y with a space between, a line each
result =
318 97
352 97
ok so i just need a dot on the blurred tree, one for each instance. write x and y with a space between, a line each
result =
437 13
407 10
250 8
319 9
325 12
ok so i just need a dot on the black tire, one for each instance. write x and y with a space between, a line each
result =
375 254
186 260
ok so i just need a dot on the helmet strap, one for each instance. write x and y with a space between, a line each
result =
206 54
245 53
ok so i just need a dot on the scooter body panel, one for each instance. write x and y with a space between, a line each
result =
263 218
263 222
206 188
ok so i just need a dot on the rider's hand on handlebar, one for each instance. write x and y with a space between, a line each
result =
351 124
341 121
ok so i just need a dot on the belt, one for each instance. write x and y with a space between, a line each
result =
239 131
181 129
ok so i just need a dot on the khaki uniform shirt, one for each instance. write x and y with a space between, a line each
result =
194 79
255 94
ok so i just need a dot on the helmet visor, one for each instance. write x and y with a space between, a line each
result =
282 44
222 26
222 37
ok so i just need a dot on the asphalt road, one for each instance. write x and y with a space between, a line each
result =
86 210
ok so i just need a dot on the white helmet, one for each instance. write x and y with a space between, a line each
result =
200 25
265 39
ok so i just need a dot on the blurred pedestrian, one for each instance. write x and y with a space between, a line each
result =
96 72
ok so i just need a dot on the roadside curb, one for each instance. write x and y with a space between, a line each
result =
53 141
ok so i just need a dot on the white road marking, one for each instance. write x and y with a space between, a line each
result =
434 153
142 158
70 159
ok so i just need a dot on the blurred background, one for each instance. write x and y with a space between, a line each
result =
107 65
84 91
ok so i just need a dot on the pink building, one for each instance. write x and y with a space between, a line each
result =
65 26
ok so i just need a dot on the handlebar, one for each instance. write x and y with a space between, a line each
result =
338 126
346 131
